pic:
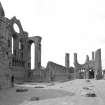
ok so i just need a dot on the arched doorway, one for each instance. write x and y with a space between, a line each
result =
91 73
82 72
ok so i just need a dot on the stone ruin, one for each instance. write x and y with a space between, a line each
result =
16 61
91 68
15 58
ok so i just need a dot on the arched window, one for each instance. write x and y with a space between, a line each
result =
16 28
19 45
32 56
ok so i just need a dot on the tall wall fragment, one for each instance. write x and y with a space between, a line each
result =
5 55
98 64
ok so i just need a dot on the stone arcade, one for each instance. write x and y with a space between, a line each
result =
15 58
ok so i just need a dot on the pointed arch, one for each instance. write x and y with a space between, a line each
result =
32 56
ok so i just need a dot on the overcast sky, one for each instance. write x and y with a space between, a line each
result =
64 25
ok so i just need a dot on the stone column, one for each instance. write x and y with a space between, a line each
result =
75 64
67 60
67 64
87 74
27 56
92 56
75 59
37 52
87 58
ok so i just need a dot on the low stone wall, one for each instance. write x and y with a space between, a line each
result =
71 76
37 75
60 77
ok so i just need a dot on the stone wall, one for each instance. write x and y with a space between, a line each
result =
4 76
56 72
5 73
19 73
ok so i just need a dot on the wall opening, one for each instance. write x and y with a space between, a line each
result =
81 73
32 56
19 45
16 28
91 74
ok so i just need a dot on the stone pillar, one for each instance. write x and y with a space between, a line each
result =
92 56
87 74
67 60
75 58
98 64
37 52
87 58
75 64
67 64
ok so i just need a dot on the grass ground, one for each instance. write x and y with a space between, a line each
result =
67 93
